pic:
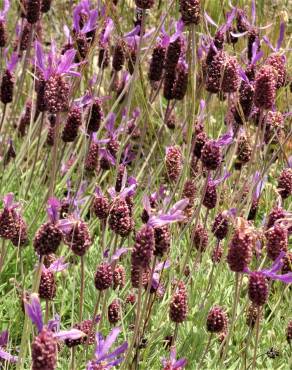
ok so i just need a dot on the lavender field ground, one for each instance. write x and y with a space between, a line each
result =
145 184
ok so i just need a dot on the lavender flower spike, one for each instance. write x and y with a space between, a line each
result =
34 311
3 354
102 354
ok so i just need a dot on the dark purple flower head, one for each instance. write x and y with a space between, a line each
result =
103 356
173 363
128 187
54 64
34 311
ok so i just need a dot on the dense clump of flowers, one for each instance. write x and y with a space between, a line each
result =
258 290
173 163
216 320
179 304
265 88
190 11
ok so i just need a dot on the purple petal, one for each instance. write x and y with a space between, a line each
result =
180 364
161 220
91 24
69 334
277 265
76 18
230 17
286 278
223 178
172 355
134 32
7 356
238 34
99 344
257 57
66 225
58 265
112 192
53 209
3 338
104 153
225 139
253 12
146 204
12 62
110 123
98 191
119 252
118 351
179 206
66 62
54 324
243 75
109 341
268 42
67 33
34 311
40 58
8 200
290 162
209 19
6 7
108 30
281 35
162 265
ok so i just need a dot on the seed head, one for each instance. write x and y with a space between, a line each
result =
162 240
252 36
57 94
220 226
92 158
144 4
200 238
33 11
103 276
173 163
119 277
211 156
95 116
210 198
240 250
216 320
19 238
214 73
118 56
251 315
244 150
100 206
73 122
277 241
47 239
190 11
135 275
25 118
230 75
79 239
44 351
6 88
157 63
277 61
3 34
265 88
198 143
144 247
258 290
179 304
285 183
181 81
47 287
120 219
217 253
287 263
276 214
114 312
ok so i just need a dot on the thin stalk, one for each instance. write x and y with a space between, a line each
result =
36 155
3 254
81 288
47 311
72 367
206 351
137 320
54 157
93 323
3 116
225 343
256 338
